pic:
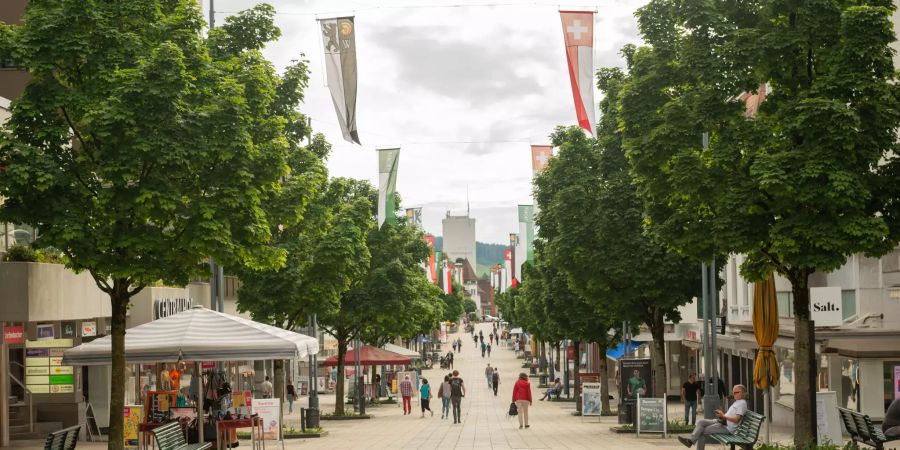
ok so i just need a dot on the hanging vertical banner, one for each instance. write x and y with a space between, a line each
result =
578 29
540 157
526 230
338 36
388 158
414 216
429 239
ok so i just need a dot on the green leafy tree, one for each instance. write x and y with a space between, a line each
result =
592 219
139 148
798 187
469 305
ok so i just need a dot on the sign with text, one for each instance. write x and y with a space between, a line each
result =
67 329
88 329
166 307
45 331
269 410
44 369
13 335
590 399
133 415
651 416
825 306
634 379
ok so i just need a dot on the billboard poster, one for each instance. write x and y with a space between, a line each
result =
45 331
590 399
269 410
133 415
634 379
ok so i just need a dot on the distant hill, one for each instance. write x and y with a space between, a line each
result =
487 254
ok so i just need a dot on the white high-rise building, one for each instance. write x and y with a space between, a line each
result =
459 238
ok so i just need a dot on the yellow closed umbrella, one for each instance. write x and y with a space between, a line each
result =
765 328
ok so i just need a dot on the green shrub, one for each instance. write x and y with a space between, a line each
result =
20 253
821 446
50 256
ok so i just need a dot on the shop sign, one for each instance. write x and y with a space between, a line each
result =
825 306
166 307
67 329
88 328
207 365
693 336
45 332
49 343
269 410
13 335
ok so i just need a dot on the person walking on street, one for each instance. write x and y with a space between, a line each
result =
459 343
444 394
483 348
291 395
450 359
521 395
406 389
457 392
489 350
267 388
489 374
481 338
425 397
731 420
689 396
475 338
454 346
495 381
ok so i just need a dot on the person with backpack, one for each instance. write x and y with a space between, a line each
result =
457 392
425 397
521 396
444 394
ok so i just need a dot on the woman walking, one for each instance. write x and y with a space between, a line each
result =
444 394
521 395
425 397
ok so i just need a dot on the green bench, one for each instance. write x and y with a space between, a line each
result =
861 429
171 437
746 433
64 439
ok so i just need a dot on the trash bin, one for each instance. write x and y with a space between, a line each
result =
312 417
626 414
543 379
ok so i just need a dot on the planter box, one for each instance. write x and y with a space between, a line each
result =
354 417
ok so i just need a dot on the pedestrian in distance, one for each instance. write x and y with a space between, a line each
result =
724 423
489 375
495 381
457 392
521 396
483 348
406 389
454 346
475 338
450 359
444 394
489 350
689 391
291 395
481 338
267 388
425 397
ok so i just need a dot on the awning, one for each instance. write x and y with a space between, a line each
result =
198 334
402 351
517 330
370 356
619 350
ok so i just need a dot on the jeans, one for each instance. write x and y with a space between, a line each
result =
522 405
290 399
455 401
407 406
445 407
705 427
690 411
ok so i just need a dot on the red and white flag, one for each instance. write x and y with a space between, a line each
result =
540 157
578 29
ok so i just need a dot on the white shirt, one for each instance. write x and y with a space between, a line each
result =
738 408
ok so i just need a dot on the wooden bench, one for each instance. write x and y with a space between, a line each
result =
64 439
746 433
171 437
861 429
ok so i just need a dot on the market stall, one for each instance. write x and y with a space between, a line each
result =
371 356
201 335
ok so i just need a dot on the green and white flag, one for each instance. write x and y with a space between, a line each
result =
526 230
338 36
388 159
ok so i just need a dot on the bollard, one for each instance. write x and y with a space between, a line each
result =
302 419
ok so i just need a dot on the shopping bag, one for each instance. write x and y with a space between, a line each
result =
513 409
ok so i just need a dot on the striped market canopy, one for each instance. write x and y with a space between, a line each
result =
198 334
412 354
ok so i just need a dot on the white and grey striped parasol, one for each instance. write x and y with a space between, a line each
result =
198 334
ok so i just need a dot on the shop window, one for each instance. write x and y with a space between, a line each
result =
849 388
891 382
785 387
848 303
785 304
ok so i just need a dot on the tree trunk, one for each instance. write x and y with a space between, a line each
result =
658 355
278 388
339 385
804 354
119 299
552 362
577 375
603 345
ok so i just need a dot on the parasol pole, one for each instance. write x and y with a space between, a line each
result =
200 394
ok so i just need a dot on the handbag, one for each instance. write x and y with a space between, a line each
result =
513 409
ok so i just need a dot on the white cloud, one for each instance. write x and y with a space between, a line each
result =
462 90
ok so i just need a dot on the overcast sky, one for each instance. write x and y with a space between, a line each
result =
461 87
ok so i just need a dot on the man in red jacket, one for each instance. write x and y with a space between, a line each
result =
521 395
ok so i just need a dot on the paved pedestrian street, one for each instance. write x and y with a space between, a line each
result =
484 422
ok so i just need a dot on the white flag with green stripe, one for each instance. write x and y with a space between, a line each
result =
388 159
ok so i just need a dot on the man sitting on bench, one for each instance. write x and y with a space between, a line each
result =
555 390
725 422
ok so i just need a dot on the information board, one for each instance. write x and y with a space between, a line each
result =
44 369
269 410
133 415
651 416
590 399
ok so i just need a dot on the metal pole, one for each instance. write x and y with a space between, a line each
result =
713 306
709 397
212 15
313 390
4 391
200 394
